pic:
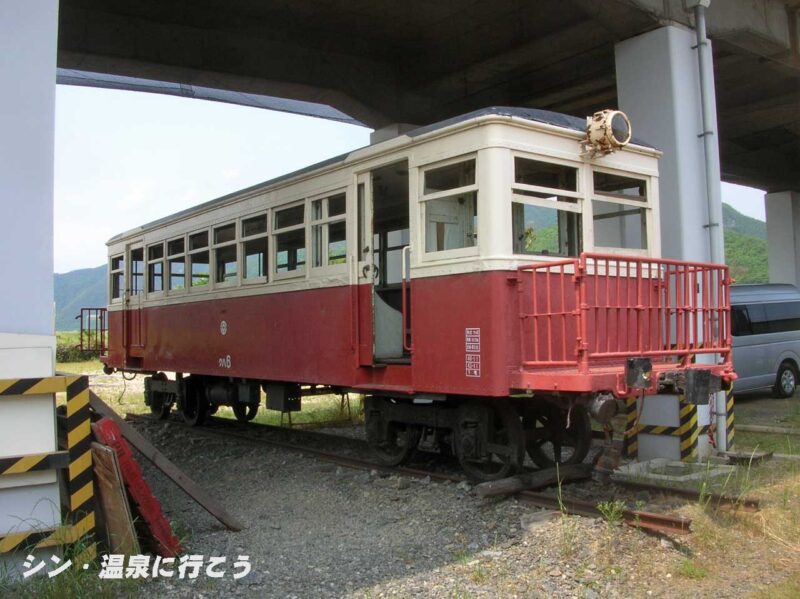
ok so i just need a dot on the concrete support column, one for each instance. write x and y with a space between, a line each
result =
28 35
783 236
658 86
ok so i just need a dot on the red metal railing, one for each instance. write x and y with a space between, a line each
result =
94 330
597 308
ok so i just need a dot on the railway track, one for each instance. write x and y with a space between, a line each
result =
648 521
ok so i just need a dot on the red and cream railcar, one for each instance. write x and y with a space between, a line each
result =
480 280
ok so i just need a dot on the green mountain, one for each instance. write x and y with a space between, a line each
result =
745 246
733 220
84 288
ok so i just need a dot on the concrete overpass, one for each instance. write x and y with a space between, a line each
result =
384 64
380 62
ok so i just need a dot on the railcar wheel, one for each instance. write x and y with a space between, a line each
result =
550 441
400 443
161 403
489 440
195 407
245 412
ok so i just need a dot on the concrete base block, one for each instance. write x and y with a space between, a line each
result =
669 471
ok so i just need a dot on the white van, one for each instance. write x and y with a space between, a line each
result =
766 337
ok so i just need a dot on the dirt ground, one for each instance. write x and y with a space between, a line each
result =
317 530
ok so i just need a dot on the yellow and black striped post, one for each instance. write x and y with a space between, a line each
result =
730 431
688 431
77 460
630 442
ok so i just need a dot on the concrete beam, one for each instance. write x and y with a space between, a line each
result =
271 62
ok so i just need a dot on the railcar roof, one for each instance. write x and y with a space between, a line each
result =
771 292
547 117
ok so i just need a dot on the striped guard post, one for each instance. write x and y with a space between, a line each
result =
688 431
81 478
730 431
630 441
77 460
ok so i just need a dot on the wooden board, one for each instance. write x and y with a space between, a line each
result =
161 462
154 524
114 501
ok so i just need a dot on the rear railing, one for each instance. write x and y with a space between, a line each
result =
596 308
94 330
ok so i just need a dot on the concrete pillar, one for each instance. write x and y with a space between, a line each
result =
28 34
658 86
783 236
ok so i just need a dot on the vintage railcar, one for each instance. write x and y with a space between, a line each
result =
486 282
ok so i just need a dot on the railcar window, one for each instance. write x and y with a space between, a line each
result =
546 209
200 268
545 174
137 271
155 268
255 247
198 240
329 231
450 203
117 276
290 239
176 262
620 219
225 258
199 263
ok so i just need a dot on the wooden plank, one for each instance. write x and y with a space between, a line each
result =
114 501
155 525
535 480
161 462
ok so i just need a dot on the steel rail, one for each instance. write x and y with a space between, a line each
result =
746 504
648 521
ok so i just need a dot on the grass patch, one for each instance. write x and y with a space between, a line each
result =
68 350
689 568
74 582
317 410
788 589
747 441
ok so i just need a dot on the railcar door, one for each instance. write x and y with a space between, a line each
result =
132 314
384 214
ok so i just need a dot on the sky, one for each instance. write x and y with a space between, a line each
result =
125 158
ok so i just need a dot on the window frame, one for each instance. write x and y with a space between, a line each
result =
423 199
190 287
578 207
324 222
276 276
214 247
243 239
116 272
168 260
130 272
646 205
149 265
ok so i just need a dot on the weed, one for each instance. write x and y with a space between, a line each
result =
612 512
479 574
691 569
569 527
74 582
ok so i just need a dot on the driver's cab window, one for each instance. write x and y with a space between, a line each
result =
450 203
